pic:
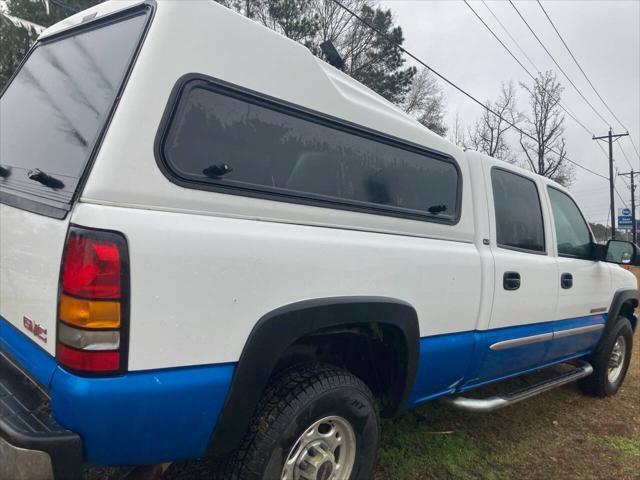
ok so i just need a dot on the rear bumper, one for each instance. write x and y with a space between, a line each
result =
139 418
32 444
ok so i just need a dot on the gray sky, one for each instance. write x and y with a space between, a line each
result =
603 35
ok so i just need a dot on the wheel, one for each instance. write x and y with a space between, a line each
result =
610 360
315 422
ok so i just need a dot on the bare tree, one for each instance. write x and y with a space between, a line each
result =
347 33
425 101
488 134
456 133
546 153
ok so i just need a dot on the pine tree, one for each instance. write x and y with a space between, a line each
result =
17 40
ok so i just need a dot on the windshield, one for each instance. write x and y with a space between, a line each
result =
52 113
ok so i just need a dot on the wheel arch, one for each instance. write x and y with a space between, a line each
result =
276 331
624 303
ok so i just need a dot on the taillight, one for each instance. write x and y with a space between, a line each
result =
93 302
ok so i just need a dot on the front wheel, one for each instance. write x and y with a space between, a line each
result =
315 422
610 360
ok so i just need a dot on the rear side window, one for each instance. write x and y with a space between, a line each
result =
54 109
220 138
572 233
518 212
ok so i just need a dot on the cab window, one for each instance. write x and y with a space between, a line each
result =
519 224
572 233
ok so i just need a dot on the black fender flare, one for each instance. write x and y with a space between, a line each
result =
619 299
280 328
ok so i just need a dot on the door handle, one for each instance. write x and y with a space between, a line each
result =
566 280
511 281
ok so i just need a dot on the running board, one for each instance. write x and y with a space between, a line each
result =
483 405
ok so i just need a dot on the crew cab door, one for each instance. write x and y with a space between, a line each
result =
526 283
585 284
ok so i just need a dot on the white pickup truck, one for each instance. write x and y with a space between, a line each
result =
213 242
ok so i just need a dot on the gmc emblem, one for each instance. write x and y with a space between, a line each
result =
37 330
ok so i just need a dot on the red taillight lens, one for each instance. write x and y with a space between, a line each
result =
91 268
92 308
88 361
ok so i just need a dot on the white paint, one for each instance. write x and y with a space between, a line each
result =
206 266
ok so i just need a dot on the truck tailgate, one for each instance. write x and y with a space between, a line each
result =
30 253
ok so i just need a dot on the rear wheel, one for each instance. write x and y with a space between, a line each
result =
315 422
610 360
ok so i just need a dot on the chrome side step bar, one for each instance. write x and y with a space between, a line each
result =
483 405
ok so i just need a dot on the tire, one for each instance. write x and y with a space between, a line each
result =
330 398
600 383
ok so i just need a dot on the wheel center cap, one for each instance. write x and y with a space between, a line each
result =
325 470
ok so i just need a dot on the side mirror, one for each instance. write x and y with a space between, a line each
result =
623 253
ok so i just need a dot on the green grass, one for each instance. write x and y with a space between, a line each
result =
626 446
560 434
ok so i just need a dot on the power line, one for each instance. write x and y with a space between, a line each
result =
586 76
632 142
510 36
65 6
578 64
523 67
529 73
557 64
562 106
449 82
625 155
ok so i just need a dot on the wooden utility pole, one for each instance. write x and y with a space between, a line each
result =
633 203
610 137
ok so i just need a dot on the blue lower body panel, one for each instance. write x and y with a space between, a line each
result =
142 417
443 365
38 362
462 361
138 418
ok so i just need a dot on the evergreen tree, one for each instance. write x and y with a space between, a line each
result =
369 57
16 40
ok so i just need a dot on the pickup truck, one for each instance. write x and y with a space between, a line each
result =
214 243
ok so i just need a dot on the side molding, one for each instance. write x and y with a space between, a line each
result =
279 329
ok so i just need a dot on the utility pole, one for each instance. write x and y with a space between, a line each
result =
610 137
633 203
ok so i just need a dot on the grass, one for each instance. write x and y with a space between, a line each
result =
560 434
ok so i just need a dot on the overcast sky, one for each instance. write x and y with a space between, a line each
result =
603 35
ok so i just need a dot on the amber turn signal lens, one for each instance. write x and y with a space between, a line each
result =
89 313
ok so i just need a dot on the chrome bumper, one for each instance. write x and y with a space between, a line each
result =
22 464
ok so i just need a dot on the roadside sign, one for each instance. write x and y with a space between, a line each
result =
625 221
625 212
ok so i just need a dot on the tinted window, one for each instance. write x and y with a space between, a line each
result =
572 233
53 110
518 212
271 150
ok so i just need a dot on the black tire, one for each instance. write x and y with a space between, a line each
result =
598 382
292 402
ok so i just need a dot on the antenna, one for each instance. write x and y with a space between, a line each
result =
331 54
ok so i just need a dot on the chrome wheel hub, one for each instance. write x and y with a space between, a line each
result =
616 359
325 451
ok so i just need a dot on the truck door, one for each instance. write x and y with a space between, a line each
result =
525 280
585 284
